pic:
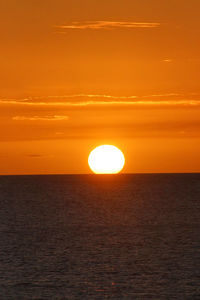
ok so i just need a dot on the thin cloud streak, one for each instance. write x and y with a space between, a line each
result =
106 25
163 95
38 118
87 96
100 96
106 103
100 100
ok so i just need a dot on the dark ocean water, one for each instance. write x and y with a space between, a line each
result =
100 237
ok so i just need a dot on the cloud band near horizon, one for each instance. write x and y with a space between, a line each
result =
106 25
43 118
103 100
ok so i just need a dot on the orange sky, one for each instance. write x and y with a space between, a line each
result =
76 74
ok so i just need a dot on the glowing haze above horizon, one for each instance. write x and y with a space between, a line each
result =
79 74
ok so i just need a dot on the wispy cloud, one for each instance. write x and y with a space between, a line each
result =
39 118
108 25
96 96
163 95
167 60
85 100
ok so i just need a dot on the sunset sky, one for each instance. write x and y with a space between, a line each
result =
76 74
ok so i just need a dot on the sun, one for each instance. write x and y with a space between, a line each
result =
106 159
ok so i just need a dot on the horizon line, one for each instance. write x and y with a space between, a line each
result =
86 174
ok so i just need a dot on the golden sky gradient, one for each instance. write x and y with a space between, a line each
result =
79 73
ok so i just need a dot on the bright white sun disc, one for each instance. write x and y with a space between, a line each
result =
106 159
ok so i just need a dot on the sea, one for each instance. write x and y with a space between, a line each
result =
125 236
